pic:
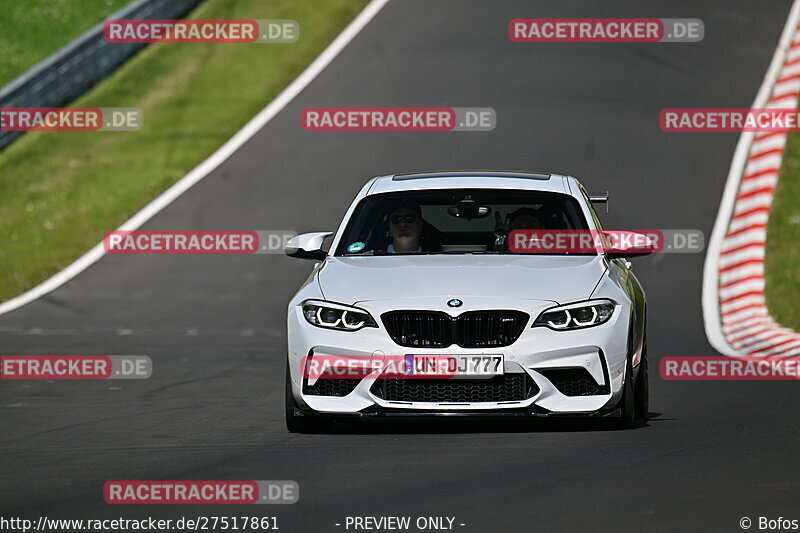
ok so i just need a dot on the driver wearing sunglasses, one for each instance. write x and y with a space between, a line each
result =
405 227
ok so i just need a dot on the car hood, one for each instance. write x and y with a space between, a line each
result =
559 279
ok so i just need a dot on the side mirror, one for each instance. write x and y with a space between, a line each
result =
626 244
600 199
307 246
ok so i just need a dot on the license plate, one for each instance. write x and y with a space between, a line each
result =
454 365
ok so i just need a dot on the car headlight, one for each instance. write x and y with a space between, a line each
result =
577 315
336 316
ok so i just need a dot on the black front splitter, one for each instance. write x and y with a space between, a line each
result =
384 412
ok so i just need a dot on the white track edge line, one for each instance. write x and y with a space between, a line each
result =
710 296
210 163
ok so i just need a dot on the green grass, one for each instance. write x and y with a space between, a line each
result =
782 264
61 191
31 30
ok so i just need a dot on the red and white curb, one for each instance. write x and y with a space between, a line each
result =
734 306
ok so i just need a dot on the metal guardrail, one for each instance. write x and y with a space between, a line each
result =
79 66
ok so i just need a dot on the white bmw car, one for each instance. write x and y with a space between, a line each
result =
421 272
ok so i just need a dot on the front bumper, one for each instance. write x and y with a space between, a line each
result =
600 351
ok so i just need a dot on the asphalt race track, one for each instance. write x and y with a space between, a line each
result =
214 326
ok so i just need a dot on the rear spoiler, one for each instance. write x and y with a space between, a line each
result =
600 199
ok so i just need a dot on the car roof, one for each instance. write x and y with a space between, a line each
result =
473 179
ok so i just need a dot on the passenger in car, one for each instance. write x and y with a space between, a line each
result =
524 218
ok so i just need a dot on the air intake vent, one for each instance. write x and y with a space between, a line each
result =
473 329
574 382
505 388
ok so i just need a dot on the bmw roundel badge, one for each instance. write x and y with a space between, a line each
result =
455 302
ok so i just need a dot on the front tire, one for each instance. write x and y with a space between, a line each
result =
627 404
643 389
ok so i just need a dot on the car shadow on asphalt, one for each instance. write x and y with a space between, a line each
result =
445 425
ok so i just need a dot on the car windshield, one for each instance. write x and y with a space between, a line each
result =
453 221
